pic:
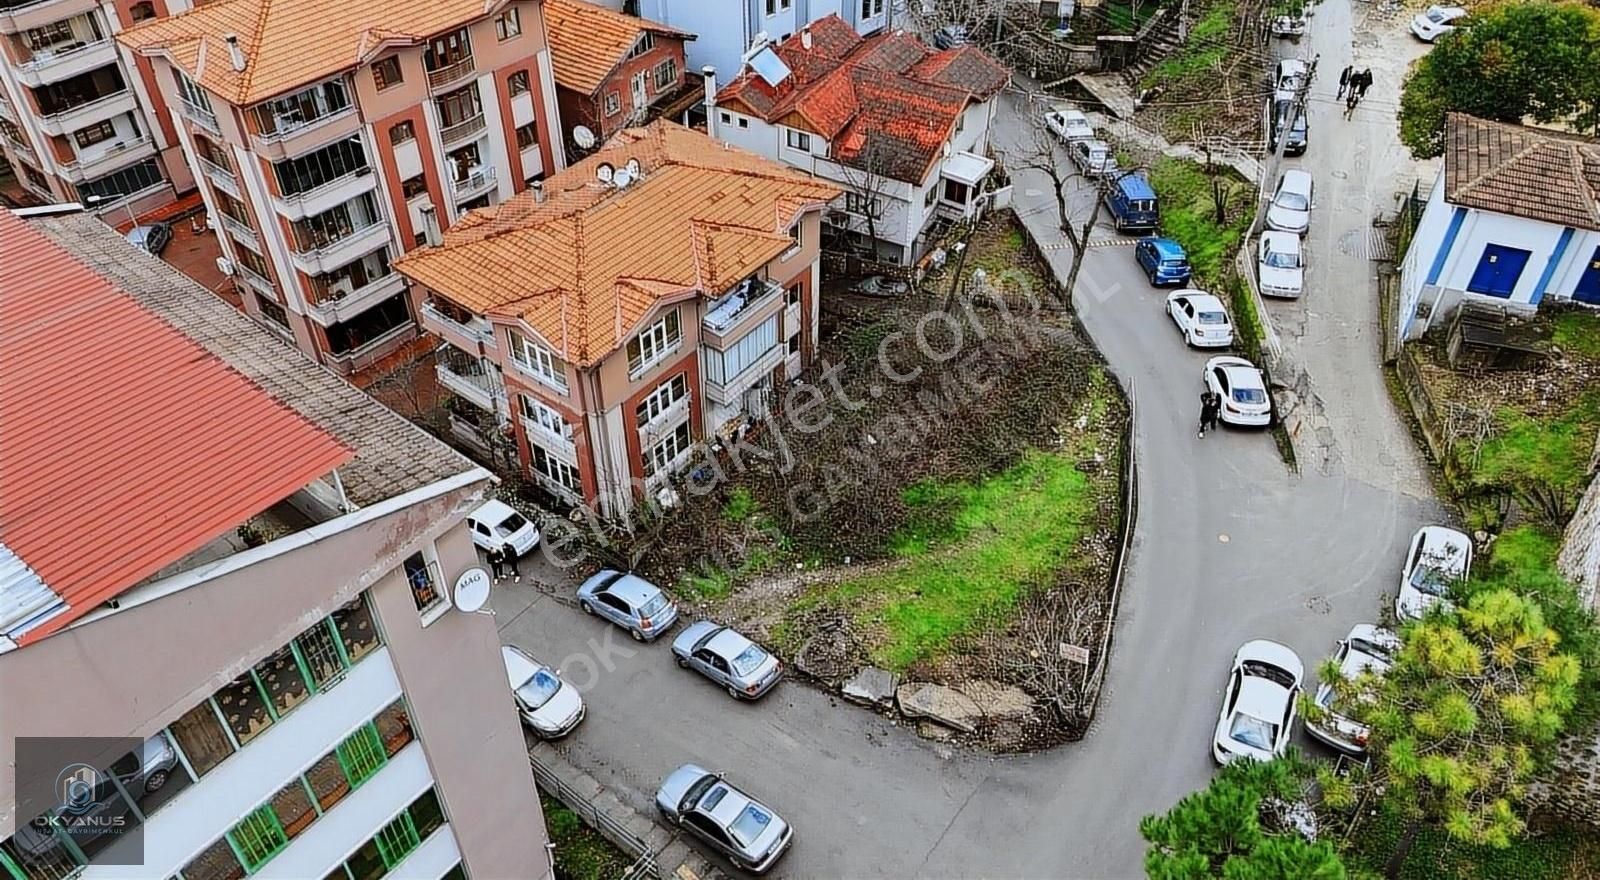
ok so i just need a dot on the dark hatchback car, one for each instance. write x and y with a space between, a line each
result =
1163 261
1295 134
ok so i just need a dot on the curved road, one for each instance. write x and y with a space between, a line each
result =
1229 547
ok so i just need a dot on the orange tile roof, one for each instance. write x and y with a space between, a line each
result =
583 266
127 444
289 44
588 42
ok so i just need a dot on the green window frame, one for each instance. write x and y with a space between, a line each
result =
397 840
362 754
257 838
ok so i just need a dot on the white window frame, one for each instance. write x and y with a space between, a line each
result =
661 454
742 354
655 343
646 42
663 398
537 361
556 469
797 235
668 66
613 103
508 24
546 417
796 139
863 205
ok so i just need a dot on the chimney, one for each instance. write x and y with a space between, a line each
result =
538 191
805 38
430 226
710 74
235 54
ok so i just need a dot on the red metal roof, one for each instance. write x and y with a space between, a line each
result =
124 445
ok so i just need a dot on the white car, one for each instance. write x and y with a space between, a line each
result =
1281 264
546 703
1436 21
1201 318
1290 210
1368 648
1069 125
1093 157
496 525
1438 557
1259 706
1290 26
1288 76
1244 394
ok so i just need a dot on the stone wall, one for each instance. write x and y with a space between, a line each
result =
1580 547
1574 790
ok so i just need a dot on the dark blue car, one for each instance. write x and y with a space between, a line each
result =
1163 261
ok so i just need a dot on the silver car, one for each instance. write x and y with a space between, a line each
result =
750 834
629 601
727 658
546 703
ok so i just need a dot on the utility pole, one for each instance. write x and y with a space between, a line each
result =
1301 95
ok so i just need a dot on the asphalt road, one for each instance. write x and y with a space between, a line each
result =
1229 547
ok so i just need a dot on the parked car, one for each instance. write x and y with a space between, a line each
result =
146 769
1258 706
1201 318
881 285
1436 21
546 703
741 666
951 36
1243 390
1280 265
1133 204
1368 648
1069 125
1093 157
495 525
1287 78
1163 261
1285 121
748 832
142 772
151 238
629 601
1292 27
1438 557
1291 206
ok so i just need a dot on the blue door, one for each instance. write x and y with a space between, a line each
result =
1588 290
1498 271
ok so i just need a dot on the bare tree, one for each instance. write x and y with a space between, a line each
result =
868 182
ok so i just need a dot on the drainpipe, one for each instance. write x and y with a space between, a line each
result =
710 74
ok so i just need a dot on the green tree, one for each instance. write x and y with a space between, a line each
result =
1538 59
1240 828
1461 718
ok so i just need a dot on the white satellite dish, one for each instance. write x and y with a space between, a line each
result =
583 137
634 168
471 591
621 178
605 172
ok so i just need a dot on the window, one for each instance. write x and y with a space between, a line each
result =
517 83
142 11
666 74
660 457
200 735
537 360
792 294
447 50
662 399
424 583
932 193
191 93
647 41
394 841
244 708
386 72
613 103
335 224
401 132
861 203
426 814
726 119
556 470
870 8
772 7
49 35
527 135
794 344
508 24
329 163
394 728
796 235
210 151
272 311
296 111
357 634
744 122
412 187
361 755
282 679
724 366
544 418
653 343
258 838
35 177
797 140
94 134
216 862
254 262
420 239
121 184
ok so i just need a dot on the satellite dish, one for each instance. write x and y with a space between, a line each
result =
634 169
621 178
605 172
583 137
471 591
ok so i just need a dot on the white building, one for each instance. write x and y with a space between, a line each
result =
902 126
1511 219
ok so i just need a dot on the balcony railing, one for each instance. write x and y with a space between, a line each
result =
200 116
299 202
253 279
239 228
466 128
88 106
728 391
748 295
476 331
450 74
45 57
369 352
473 184
221 176
284 128
483 389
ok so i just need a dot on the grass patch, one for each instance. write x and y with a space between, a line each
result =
1552 452
741 505
1126 16
1578 334
1560 853
997 252
581 853
1199 57
1189 217
1248 331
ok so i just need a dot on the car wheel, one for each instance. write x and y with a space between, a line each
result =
154 781
682 662
733 692
587 608
637 635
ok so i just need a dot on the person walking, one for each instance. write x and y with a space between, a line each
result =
1351 98
1364 84
1210 406
497 561
1344 79
510 555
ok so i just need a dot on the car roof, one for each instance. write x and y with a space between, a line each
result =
636 590
493 511
1135 186
732 804
1298 178
1204 301
1282 242
728 644
1166 247
1294 64
1263 698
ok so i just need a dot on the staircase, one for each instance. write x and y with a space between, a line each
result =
1154 47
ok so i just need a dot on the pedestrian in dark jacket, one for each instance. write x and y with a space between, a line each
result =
1210 406
1366 83
1344 79
497 561
509 554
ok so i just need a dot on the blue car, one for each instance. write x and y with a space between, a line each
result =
1163 261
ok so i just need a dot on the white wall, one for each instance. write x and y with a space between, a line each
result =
1483 228
1419 257
720 26
749 133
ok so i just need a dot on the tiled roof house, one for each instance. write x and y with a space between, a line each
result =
613 70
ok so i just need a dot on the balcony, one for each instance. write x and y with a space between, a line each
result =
462 131
483 389
222 178
356 243
47 67
442 79
558 445
729 391
240 230
474 336
747 300
339 305
327 195
664 422
369 353
298 137
92 163
201 116
8 112
18 17
475 184
67 121
258 282
23 150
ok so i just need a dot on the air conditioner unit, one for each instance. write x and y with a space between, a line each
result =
225 266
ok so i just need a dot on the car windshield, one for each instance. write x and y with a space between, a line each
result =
1268 671
749 824
749 660
1213 318
537 691
511 524
1292 201
1249 395
654 605
1282 260
1253 731
1372 649
1438 16
1430 580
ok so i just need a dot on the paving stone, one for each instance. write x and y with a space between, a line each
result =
998 700
871 686
936 702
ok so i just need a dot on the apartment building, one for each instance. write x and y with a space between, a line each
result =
252 614
726 29
330 135
901 126
653 295
615 71
80 118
